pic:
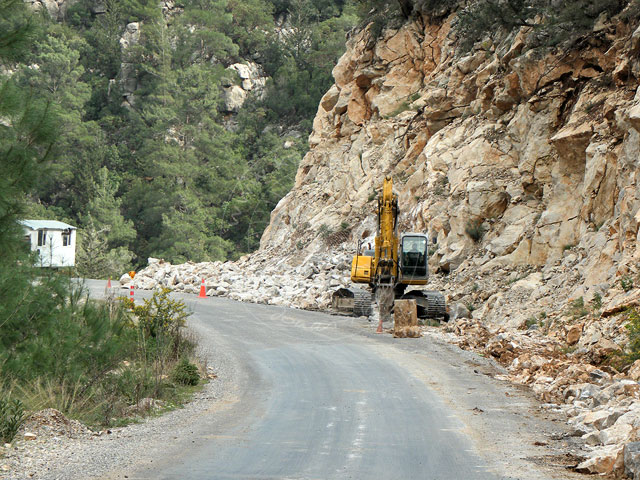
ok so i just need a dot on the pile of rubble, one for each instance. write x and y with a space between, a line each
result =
600 402
257 279
50 423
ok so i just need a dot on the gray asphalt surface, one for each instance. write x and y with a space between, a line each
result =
321 397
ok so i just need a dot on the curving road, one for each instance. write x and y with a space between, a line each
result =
315 396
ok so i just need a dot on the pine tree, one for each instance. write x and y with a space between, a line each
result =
28 128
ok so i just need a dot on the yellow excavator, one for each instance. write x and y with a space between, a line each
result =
395 263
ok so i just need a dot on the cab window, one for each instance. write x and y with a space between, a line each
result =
414 256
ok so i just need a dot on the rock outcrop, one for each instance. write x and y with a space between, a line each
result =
252 81
55 8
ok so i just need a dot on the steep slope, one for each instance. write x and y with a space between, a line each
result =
506 159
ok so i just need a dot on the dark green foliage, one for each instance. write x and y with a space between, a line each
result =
58 348
596 301
18 28
626 282
435 7
552 23
185 373
577 309
12 416
380 14
50 332
633 332
324 231
160 174
475 230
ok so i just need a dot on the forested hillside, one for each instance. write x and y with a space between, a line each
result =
153 157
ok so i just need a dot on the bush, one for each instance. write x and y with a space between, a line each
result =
626 283
577 309
475 230
633 333
561 23
12 416
324 231
161 315
596 302
185 373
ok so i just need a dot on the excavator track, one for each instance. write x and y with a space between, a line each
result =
431 304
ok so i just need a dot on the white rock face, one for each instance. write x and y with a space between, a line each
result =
257 279
234 97
252 81
56 8
131 35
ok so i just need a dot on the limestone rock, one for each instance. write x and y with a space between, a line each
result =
605 460
234 97
405 319
632 460
574 333
634 371
131 35
616 434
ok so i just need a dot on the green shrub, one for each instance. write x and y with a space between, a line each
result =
12 416
475 230
596 301
562 23
626 282
633 333
577 309
161 315
185 373
324 231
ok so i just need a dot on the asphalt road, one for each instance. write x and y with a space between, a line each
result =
315 396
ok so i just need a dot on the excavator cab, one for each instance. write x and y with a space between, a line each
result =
414 258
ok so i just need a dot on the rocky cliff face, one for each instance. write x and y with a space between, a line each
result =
511 162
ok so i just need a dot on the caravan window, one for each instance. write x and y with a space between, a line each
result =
42 238
66 238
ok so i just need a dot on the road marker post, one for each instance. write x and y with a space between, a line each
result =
109 283
203 290
131 293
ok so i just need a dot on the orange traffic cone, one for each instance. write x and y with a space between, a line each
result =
203 290
379 330
109 283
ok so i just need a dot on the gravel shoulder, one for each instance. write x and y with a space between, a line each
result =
516 436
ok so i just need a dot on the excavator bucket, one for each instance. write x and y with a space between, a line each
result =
352 301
